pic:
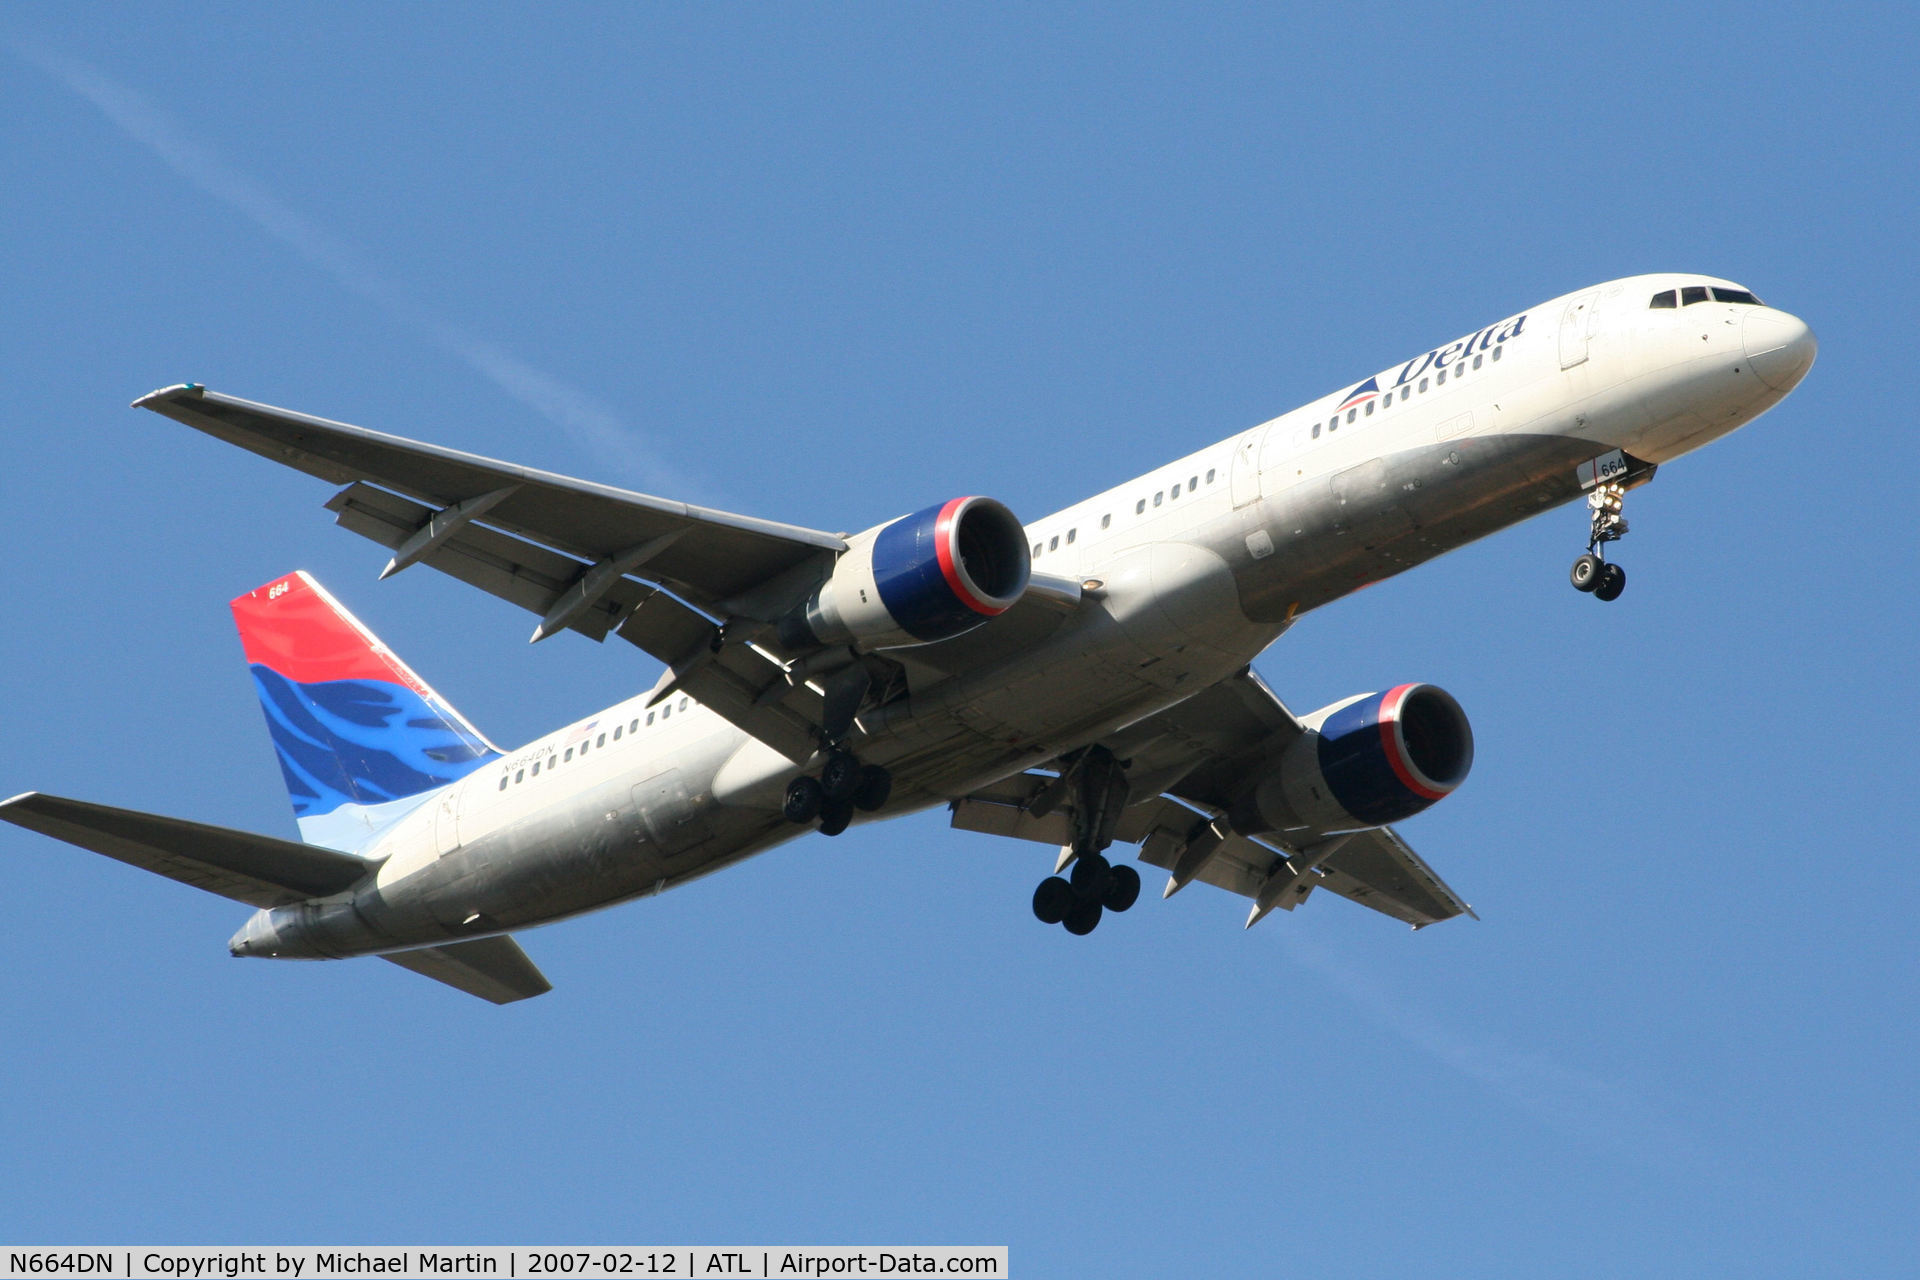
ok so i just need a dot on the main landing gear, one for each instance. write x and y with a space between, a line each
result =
1591 572
843 786
1098 787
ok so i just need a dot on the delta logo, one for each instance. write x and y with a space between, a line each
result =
1362 393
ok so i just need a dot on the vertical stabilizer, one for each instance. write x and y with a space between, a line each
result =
362 740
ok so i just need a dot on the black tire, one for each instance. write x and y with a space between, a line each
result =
840 776
1585 574
876 784
1053 900
1123 888
1090 877
802 804
1613 580
834 816
1081 920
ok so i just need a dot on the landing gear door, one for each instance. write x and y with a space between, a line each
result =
1575 323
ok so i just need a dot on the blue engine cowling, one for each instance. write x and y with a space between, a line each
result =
1364 762
929 576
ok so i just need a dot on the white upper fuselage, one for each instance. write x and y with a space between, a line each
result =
1197 564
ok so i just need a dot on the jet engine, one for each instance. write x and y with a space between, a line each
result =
929 576
1364 762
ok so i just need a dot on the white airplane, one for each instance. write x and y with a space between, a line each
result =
1078 682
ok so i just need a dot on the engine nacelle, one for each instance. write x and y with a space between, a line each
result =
1364 762
924 577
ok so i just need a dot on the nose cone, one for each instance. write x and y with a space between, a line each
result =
1780 347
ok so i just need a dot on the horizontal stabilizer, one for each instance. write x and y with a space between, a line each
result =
494 969
258 870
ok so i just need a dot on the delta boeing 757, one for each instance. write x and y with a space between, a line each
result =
1081 681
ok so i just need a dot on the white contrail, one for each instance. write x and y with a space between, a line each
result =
591 424
1578 1104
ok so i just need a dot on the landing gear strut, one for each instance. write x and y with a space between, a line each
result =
843 786
1097 785
1591 572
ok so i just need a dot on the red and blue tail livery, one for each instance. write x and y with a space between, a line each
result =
362 740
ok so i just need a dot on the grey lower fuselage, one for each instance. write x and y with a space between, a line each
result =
1188 573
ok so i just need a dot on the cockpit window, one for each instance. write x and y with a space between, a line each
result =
1736 295
1662 300
1693 293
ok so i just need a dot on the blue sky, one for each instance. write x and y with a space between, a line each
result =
830 264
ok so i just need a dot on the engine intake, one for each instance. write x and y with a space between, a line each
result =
928 576
1364 762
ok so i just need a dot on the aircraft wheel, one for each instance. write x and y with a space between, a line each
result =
1586 571
803 800
1123 888
876 784
1053 900
1081 920
834 816
1613 580
1090 876
840 776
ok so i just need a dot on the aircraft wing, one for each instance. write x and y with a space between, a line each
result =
1190 758
558 546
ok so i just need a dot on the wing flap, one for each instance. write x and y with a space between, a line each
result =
734 680
520 572
494 969
258 870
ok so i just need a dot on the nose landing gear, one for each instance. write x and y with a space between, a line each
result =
1591 572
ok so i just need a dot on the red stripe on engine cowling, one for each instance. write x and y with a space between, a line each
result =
944 548
1396 749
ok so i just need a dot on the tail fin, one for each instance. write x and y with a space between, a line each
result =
362 739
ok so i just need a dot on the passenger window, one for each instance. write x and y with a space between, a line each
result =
1693 293
635 726
1352 414
1369 408
1054 543
1316 431
616 732
1440 378
1071 535
601 741
1736 295
1175 491
1477 360
1423 384
503 782
1193 482
666 711
1209 475
1140 507
683 704
1497 351
1661 300
536 768
1105 521
1156 499
569 754
519 775
650 716
1037 548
